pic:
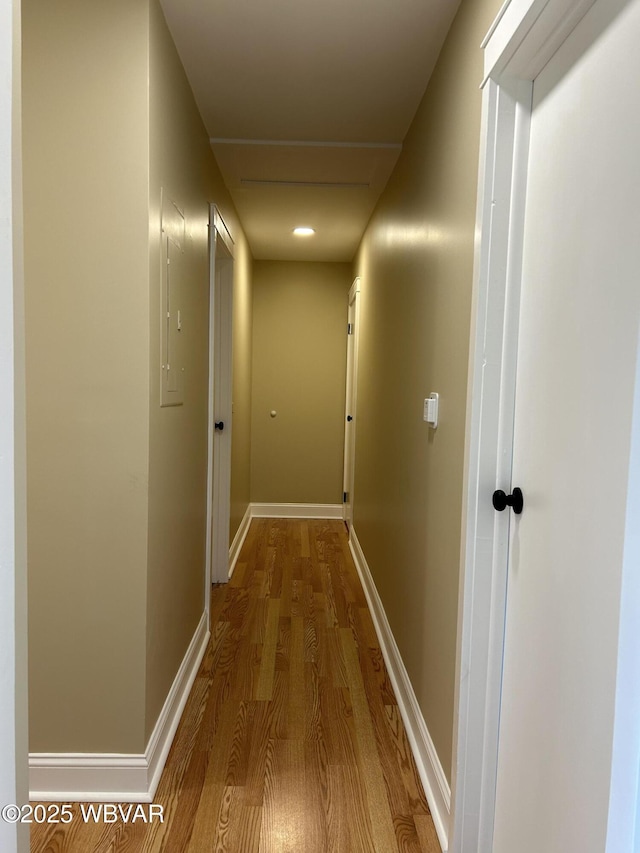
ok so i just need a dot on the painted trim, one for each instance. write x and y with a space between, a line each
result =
13 531
494 25
523 39
623 828
221 227
296 143
86 777
351 402
432 775
221 256
117 778
325 185
167 723
238 539
265 510
526 35
490 410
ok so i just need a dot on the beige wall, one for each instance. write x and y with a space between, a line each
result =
116 485
242 378
416 262
183 167
299 369
87 306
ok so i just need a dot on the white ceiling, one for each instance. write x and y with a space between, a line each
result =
272 76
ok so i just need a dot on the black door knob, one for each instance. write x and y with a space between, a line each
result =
219 425
515 500
349 418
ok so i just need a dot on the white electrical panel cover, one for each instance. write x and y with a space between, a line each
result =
173 273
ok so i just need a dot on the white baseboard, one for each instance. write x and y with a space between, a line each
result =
284 510
238 540
119 778
167 723
432 775
264 510
85 777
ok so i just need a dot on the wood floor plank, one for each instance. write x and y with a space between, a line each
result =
339 675
296 698
237 578
304 539
214 649
264 688
239 826
310 638
417 800
361 829
288 573
406 834
316 794
237 766
368 636
205 822
283 813
274 571
291 738
337 811
350 825
62 838
262 728
192 829
332 609
256 624
126 838
338 594
172 780
338 726
369 759
311 702
427 834
280 704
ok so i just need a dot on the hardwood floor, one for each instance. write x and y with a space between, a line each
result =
291 739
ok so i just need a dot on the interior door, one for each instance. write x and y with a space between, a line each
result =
353 326
576 373
220 401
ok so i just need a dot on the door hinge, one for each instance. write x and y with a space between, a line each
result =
349 328
345 497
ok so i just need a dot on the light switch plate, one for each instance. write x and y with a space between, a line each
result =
430 414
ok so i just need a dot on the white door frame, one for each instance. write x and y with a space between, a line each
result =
221 252
14 787
351 400
523 38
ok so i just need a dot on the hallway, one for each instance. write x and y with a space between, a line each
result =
291 739
106 452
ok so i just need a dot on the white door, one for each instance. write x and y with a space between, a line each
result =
220 402
576 373
353 325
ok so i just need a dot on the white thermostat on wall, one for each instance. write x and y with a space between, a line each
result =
431 410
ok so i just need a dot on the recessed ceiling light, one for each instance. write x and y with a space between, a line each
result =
304 231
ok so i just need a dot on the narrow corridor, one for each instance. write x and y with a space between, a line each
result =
291 739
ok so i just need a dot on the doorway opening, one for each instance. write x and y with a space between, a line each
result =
221 254
353 326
